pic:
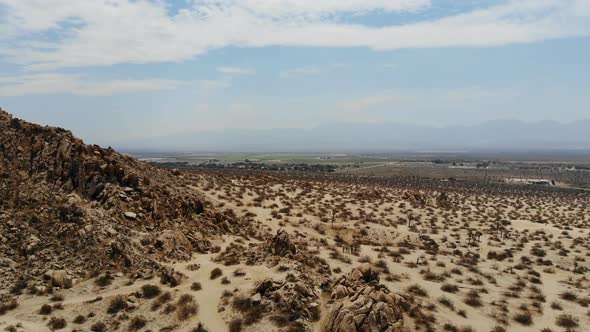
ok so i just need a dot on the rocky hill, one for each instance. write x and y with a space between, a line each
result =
80 209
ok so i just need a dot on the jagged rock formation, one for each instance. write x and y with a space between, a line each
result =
281 244
65 205
362 304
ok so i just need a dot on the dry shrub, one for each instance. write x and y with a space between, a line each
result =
56 323
98 327
187 307
235 325
104 280
117 304
417 290
7 305
216 273
137 323
449 288
79 319
567 321
524 318
150 291
46 309
162 299
473 299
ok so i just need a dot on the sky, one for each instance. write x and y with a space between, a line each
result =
119 70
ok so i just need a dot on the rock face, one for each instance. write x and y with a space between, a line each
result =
362 304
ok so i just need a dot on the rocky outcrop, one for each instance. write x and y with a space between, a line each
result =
294 303
362 304
70 206
281 245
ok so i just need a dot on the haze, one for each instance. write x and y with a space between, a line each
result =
233 75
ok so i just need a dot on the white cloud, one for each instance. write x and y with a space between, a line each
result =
318 8
236 70
37 84
123 31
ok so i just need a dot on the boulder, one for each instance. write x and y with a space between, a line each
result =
170 241
339 292
171 277
59 278
256 298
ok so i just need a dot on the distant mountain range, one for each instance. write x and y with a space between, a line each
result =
497 136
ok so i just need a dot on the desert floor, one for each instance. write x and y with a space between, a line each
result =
473 258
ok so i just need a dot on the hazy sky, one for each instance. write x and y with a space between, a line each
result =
119 69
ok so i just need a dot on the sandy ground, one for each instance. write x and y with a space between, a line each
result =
325 214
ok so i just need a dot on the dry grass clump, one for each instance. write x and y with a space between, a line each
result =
187 307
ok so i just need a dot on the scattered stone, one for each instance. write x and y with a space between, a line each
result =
131 215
